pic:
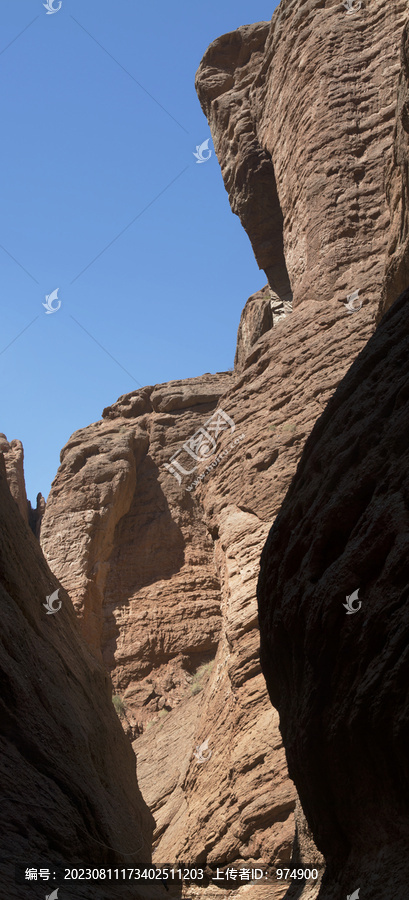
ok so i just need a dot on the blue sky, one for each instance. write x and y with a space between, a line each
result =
93 167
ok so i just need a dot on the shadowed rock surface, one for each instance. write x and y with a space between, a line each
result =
35 515
340 681
67 772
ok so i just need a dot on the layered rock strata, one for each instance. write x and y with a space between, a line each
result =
301 112
182 653
339 676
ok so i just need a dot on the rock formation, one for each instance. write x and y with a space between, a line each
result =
339 679
158 513
69 790
13 456
263 310
35 515
152 603
397 186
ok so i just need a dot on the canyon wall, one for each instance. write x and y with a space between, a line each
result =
397 186
175 624
333 594
159 546
69 789
339 679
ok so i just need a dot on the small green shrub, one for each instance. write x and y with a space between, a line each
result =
197 680
195 688
119 705
162 713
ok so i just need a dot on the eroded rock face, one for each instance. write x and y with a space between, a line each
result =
128 552
301 112
397 185
67 771
340 680
224 81
13 455
176 623
263 310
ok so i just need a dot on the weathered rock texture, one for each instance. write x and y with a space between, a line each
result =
397 263
175 624
263 310
162 567
302 114
67 771
340 681
13 455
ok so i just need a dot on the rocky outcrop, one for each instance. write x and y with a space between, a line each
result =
339 679
69 789
397 186
13 455
303 134
158 513
176 626
111 479
35 515
224 81
263 310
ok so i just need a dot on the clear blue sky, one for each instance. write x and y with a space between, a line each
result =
84 152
